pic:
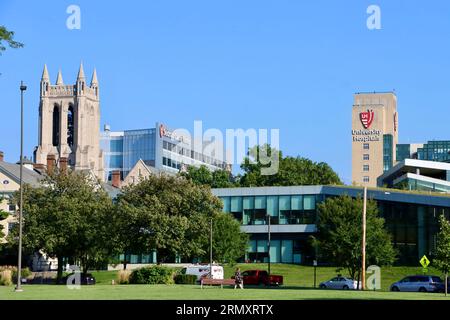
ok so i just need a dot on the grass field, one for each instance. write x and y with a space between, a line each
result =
298 286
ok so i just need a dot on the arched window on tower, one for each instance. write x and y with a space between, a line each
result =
70 126
55 136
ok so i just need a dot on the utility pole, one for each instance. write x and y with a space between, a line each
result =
268 243
210 248
19 262
363 278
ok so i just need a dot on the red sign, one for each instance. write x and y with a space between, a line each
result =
162 130
366 118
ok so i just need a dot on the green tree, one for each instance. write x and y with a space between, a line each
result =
68 216
3 216
442 255
8 37
167 214
340 234
291 170
203 176
229 242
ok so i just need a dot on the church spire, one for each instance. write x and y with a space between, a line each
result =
59 79
80 72
45 76
94 80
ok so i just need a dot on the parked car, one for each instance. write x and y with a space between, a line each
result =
420 283
259 277
340 282
203 270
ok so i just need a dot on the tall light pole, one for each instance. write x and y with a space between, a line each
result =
19 263
210 248
363 278
268 242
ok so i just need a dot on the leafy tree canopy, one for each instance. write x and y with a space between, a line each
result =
8 37
340 234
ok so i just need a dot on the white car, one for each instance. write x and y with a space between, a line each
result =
342 283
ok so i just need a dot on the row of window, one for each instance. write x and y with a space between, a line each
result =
172 163
281 251
256 210
192 154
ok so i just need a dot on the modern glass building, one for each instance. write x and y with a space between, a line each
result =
411 218
158 147
435 151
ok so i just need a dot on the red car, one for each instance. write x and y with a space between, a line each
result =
258 277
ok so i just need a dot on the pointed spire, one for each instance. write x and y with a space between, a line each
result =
94 80
80 72
45 76
59 79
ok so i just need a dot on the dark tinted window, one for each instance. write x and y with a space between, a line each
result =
249 273
436 279
263 273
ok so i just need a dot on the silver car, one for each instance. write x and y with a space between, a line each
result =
340 283
419 283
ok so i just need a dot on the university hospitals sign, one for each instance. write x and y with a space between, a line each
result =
366 134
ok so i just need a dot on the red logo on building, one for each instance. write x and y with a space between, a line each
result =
162 130
366 118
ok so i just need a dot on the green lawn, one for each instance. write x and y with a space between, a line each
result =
298 285
190 292
301 276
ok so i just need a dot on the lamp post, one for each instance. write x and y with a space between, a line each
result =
268 243
210 249
19 262
363 278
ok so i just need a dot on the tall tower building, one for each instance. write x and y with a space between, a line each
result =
69 123
374 136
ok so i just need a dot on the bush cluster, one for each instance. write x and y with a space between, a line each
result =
152 275
185 279
123 276
8 275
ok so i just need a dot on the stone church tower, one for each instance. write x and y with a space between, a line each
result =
69 123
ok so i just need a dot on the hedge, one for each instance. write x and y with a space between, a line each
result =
185 279
152 275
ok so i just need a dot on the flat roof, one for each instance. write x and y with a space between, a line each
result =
381 194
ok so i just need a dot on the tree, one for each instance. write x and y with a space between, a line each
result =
442 256
8 36
203 176
340 234
168 214
229 242
68 216
291 170
3 216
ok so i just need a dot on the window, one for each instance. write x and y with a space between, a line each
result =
366 167
366 156
366 146
55 132
366 179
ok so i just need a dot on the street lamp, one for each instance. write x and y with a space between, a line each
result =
268 242
363 282
19 263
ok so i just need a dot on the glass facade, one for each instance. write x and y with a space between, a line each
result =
403 151
282 209
414 184
138 144
413 227
435 151
112 146
388 156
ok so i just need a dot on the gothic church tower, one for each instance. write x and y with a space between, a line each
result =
69 123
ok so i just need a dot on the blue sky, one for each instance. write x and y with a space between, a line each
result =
292 65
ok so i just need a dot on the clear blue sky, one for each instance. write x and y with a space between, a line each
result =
292 65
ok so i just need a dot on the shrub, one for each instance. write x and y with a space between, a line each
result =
6 278
123 276
26 273
152 275
185 279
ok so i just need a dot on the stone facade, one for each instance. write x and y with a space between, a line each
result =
69 123
374 136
